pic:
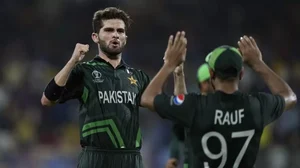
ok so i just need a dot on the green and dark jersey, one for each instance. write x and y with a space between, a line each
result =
109 103
179 132
176 141
225 129
179 136
188 152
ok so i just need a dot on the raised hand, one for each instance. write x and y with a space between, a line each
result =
249 50
176 50
79 52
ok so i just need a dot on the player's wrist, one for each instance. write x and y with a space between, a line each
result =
72 62
169 67
179 71
178 74
258 65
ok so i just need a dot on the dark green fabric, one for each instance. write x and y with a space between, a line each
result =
179 139
96 159
174 147
231 123
109 103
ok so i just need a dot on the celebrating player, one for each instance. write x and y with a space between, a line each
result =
225 126
179 135
109 92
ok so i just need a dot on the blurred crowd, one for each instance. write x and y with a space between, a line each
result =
38 37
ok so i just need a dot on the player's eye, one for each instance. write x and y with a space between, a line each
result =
109 29
121 30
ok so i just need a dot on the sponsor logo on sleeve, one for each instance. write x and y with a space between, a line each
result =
178 100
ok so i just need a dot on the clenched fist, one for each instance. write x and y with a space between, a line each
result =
176 50
250 51
79 52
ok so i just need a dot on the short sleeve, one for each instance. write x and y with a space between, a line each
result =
272 106
74 86
180 109
145 80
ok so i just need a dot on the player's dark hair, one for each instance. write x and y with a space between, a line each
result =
109 13
227 78
229 74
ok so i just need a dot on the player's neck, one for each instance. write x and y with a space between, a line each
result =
113 62
228 87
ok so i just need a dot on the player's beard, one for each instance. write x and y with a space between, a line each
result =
110 52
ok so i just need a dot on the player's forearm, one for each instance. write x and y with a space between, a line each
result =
62 77
155 86
54 88
179 83
276 84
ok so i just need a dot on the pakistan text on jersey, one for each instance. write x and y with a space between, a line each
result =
229 118
117 97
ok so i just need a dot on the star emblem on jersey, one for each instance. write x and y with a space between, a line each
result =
178 100
132 80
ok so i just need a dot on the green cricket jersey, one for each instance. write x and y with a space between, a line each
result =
225 129
180 136
109 103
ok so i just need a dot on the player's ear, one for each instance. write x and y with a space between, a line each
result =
212 73
126 37
241 74
95 37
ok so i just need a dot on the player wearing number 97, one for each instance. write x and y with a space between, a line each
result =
225 126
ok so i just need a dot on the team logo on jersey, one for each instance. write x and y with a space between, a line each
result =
179 99
97 77
132 81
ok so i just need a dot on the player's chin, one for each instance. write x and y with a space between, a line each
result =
114 51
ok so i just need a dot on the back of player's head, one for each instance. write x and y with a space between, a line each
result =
203 73
109 13
226 62
203 77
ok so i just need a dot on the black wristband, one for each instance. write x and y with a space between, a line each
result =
53 91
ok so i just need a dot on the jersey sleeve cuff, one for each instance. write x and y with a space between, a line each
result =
282 101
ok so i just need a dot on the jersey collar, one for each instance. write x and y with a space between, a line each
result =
122 63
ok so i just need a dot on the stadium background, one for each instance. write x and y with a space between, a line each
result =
38 37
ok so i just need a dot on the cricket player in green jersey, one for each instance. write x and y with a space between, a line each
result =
109 93
225 126
178 134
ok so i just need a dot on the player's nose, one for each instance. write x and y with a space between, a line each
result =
116 34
